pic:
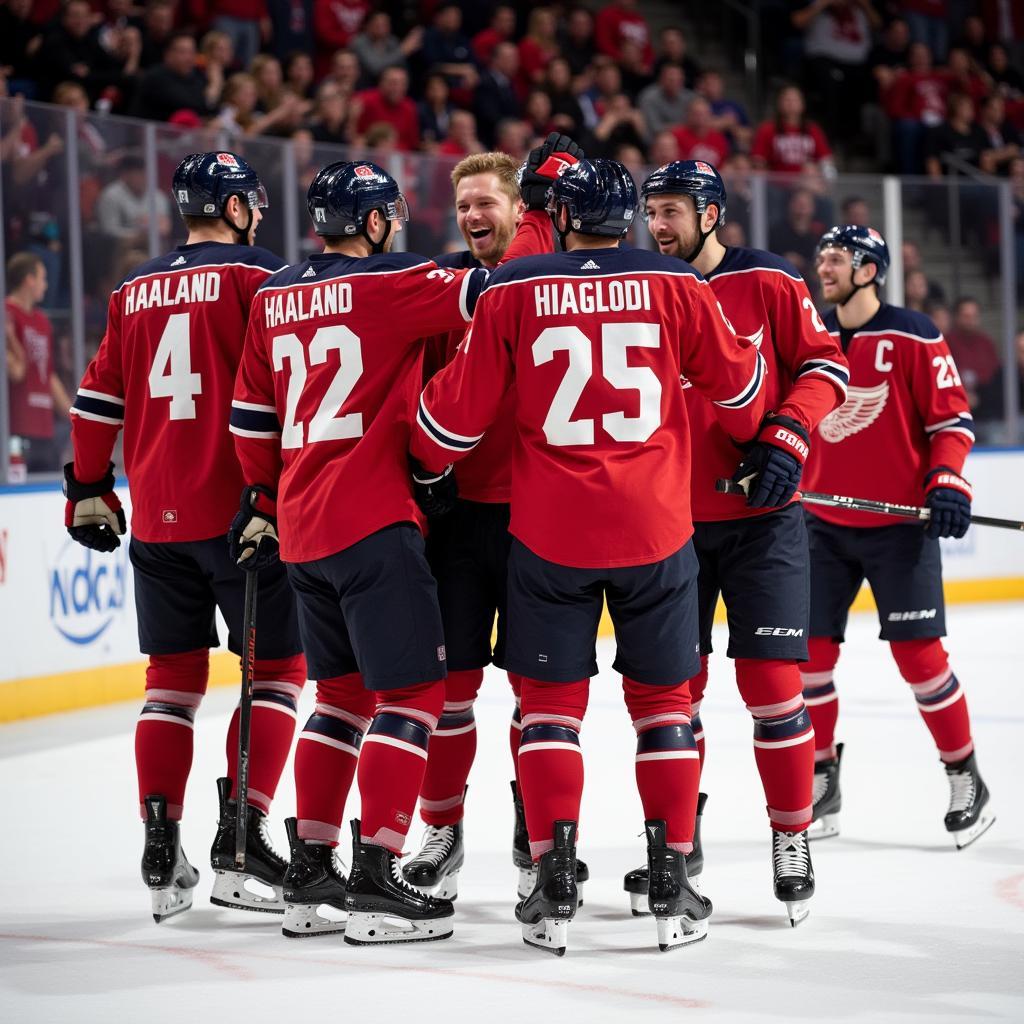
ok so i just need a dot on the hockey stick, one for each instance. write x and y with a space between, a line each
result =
882 508
245 715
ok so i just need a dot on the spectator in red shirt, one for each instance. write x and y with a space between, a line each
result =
698 139
790 142
245 22
915 101
539 45
618 22
335 23
578 41
461 140
501 29
389 103
977 359
960 70
537 113
37 394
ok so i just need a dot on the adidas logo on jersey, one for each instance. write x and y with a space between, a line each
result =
590 265
178 262
310 273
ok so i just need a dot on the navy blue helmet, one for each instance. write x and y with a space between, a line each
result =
204 182
865 245
694 178
342 195
600 196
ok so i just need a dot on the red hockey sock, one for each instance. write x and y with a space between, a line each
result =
175 684
515 729
550 759
820 697
940 698
783 739
698 684
667 762
452 749
277 683
394 759
326 754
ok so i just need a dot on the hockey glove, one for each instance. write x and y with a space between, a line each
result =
435 493
93 513
770 471
543 165
252 538
949 497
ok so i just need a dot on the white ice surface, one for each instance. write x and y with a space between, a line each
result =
902 927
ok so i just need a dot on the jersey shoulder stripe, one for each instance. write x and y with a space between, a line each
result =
462 260
329 266
742 260
206 254
589 263
894 322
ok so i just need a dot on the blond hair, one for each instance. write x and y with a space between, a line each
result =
501 164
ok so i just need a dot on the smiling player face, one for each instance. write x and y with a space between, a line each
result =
486 215
834 268
673 221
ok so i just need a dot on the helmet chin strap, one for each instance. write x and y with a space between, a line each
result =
242 234
854 288
704 235
562 235
376 248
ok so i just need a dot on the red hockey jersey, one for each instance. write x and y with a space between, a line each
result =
165 370
906 414
596 342
766 301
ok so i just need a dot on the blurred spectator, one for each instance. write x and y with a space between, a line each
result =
502 29
389 103
926 20
382 140
496 97
578 46
915 101
246 22
24 158
345 72
20 40
446 48
972 39
836 43
93 152
665 101
697 139
217 57
621 124
672 47
285 109
1016 175
958 136
461 139
790 142
157 29
632 159
912 261
938 313
512 136
1002 139
539 45
291 26
537 113
976 358
240 113
619 23
565 107
963 77
335 24
915 290
727 116
38 395
889 55
732 235
266 71
299 74
607 84
378 48
664 148
176 84
435 110
796 237
736 172
1007 79
124 207
636 71
854 210
330 120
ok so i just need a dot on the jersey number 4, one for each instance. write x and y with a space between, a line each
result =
171 374
326 424
559 428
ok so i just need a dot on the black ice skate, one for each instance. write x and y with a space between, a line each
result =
828 800
383 907
545 914
435 869
969 814
522 859
680 911
258 885
165 868
636 881
794 877
311 884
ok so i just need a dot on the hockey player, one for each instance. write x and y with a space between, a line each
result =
322 413
165 371
602 458
755 555
468 551
903 436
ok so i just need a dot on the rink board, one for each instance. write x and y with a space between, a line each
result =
69 620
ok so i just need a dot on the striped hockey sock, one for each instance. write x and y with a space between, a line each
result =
820 696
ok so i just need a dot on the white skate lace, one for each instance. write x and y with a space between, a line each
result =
399 878
961 791
437 844
790 854
820 786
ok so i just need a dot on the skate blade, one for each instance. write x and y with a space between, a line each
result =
825 827
365 929
674 932
797 910
446 889
966 836
303 920
169 902
549 933
239 891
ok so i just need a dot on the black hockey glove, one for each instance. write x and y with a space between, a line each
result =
545 163
252 538
770 471
435 493
949 497
93 513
